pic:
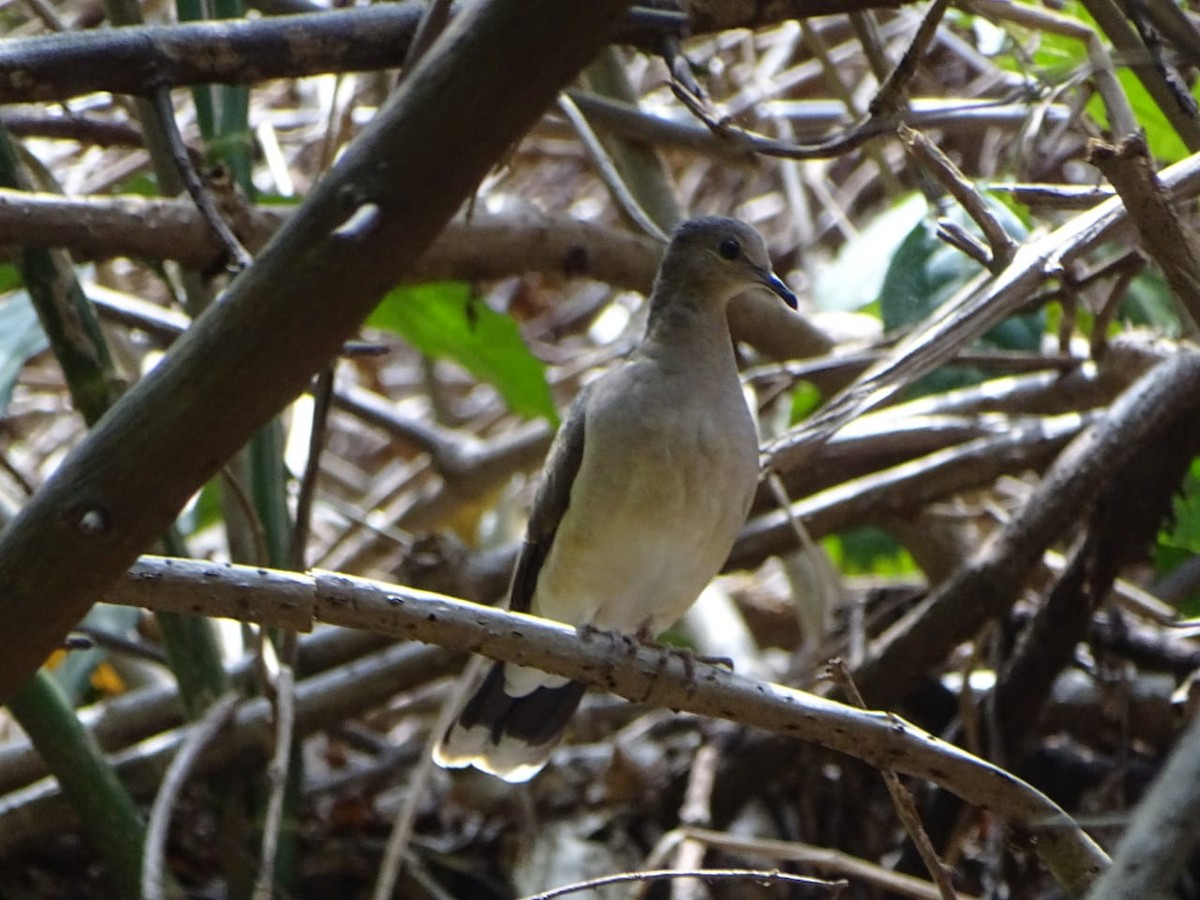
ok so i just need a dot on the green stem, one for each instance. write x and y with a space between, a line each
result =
108 812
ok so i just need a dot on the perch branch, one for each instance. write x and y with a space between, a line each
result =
646 674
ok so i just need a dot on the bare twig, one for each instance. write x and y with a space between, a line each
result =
907 485
822 859
978 306
950 177
696 811
987 584
906 808
1116 27
322 401
216 717
396 852
321 701
1128 167
285 732
608 170
754 876
160 97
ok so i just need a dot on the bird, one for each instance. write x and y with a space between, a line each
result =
644 489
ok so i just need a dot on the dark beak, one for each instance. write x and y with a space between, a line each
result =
775 284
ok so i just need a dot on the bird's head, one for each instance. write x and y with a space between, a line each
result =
720 258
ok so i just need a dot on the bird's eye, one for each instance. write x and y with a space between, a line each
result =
729 248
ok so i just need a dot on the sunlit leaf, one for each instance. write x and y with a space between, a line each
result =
444 320
869 550
806 397
856 275
1164 142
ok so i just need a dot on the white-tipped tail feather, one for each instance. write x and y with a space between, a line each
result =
511 724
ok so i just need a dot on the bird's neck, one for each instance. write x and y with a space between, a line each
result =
702 332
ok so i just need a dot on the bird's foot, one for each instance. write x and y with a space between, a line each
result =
588 632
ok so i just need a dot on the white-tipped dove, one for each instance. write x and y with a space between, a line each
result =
644 490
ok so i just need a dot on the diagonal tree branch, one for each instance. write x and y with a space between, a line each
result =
479 88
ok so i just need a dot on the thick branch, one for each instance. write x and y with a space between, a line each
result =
488 246
136 59
362 229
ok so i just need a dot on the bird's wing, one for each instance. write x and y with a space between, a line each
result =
550 503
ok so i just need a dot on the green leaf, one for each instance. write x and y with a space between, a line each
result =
203 512
21 337
925 272
1150 302
1164 142
445 321
10 278
806 398
1179 542
869 550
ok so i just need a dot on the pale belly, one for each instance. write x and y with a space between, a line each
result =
663 528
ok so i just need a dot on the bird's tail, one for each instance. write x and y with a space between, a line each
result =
508 733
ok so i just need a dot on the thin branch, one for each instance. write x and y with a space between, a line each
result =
608 169
885 110
285 732
396 851
322 401
759 878
321 702
203 734
1124 38
906 808
134 716
695 810
987 584
950 177
1120 114
161 99
741 140
1016 446
977 307
1128 168
489 246
823 859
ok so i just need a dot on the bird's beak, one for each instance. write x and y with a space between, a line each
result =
775 284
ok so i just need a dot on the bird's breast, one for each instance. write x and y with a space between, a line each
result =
654 509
